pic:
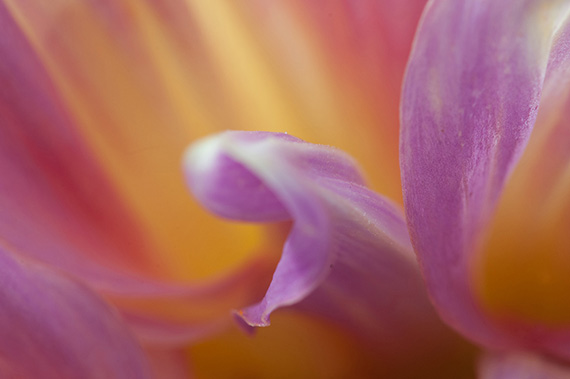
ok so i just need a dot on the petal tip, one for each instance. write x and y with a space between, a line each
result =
242 323
201 155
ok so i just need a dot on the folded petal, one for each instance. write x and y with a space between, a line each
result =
347 256
89 147
52 327
520 366
470 100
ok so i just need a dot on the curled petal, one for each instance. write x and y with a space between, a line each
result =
470 100
88 144
348 254
52 327
520 366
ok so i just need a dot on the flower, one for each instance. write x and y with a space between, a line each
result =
485 202
98 101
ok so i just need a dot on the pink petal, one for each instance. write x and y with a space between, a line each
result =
348 254
60 207
521 366
50 181
470 100
52 327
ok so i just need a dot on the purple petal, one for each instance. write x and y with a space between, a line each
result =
470 99
52 327
348 254
521 366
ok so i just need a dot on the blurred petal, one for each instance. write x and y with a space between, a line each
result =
520 366
50 182
52 327
58 206
470 99
124 139
103 96
141 78
313 69
348 255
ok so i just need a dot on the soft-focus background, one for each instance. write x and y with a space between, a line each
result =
139 80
